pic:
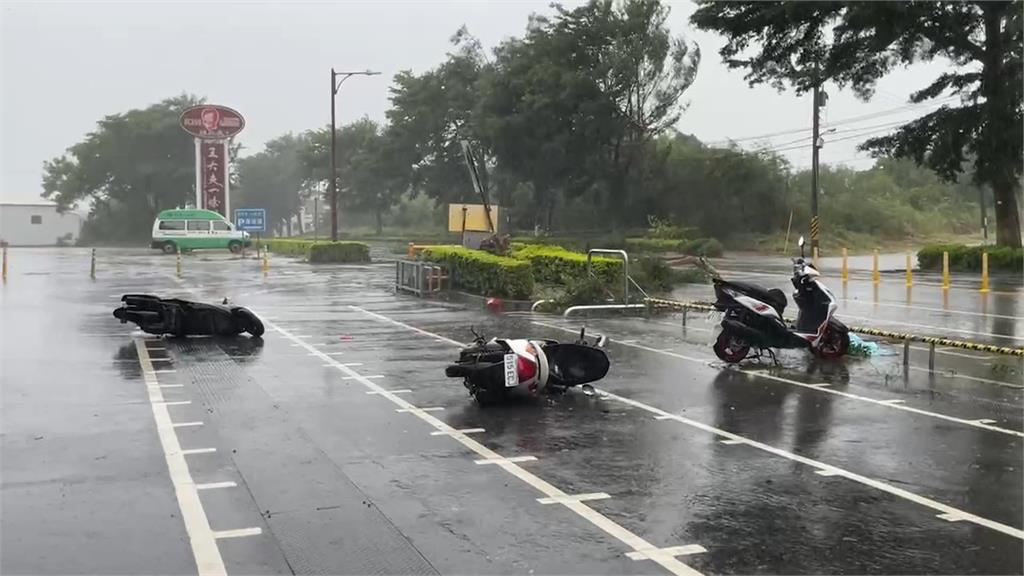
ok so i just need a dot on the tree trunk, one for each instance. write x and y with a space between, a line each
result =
1008 231
288 223
298 222
996 166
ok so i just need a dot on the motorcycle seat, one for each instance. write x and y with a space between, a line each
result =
775 297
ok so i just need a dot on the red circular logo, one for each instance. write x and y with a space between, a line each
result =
211 122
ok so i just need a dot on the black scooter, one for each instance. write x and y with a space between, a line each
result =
752 316
155 315
494 369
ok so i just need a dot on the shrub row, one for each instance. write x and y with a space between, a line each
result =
696 247
968 258
484 273
556 265
336 252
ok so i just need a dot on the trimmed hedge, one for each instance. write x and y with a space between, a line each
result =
320 252
338 252
968 258
484 273
556 265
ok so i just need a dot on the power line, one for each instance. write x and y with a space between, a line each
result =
851 120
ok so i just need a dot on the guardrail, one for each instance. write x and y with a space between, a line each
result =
419 278
905 337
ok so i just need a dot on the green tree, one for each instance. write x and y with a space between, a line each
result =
372 171
274 179
983 40
130 167
430 114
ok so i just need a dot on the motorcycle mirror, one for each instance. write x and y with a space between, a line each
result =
800 242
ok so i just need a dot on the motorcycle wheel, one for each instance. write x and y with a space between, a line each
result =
730 348
835 344
248 322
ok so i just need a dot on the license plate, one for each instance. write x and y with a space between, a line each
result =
511 376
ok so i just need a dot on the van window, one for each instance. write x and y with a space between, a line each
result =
221 225
172 224
198 225
37 219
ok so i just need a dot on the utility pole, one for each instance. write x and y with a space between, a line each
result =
984 215
815 137
335 86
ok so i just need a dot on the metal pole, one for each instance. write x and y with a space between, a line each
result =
931 357
316 216
906 354
334 167
5 264
816 95
92 265
984 216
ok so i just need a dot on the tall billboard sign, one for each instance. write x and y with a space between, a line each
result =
212 127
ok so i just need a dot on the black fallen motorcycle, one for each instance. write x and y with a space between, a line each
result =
155 315
497 368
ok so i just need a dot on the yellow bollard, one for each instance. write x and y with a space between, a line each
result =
266 261
177 266
910 273
984 272
846 269
5 264
814 258
411 253
945 270
92 265
876 276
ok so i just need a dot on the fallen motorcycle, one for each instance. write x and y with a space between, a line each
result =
498 368
155 315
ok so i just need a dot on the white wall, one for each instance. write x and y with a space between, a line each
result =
17 229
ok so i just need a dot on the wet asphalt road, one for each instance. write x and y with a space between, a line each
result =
126 454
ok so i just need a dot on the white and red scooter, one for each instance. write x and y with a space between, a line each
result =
494 369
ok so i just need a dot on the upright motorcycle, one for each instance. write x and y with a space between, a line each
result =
752 316
498 368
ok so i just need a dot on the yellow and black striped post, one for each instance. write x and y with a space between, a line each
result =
177 265
815 230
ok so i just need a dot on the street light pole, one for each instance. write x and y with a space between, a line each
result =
335 86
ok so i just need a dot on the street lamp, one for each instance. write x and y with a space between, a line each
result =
335 86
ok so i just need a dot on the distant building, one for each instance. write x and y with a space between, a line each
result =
37 224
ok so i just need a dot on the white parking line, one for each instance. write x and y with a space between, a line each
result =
459 431
237 533
201 537
414 409
399 391
897 404
215 485
198 451
821 466
501 460
575 498
636 543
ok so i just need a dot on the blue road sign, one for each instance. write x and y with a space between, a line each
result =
251 219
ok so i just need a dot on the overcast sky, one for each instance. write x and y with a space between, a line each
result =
67 64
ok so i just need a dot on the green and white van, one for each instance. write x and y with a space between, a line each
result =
196 230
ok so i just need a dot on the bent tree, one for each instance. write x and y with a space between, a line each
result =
856 43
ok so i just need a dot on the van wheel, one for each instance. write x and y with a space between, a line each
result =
168 247
235 246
